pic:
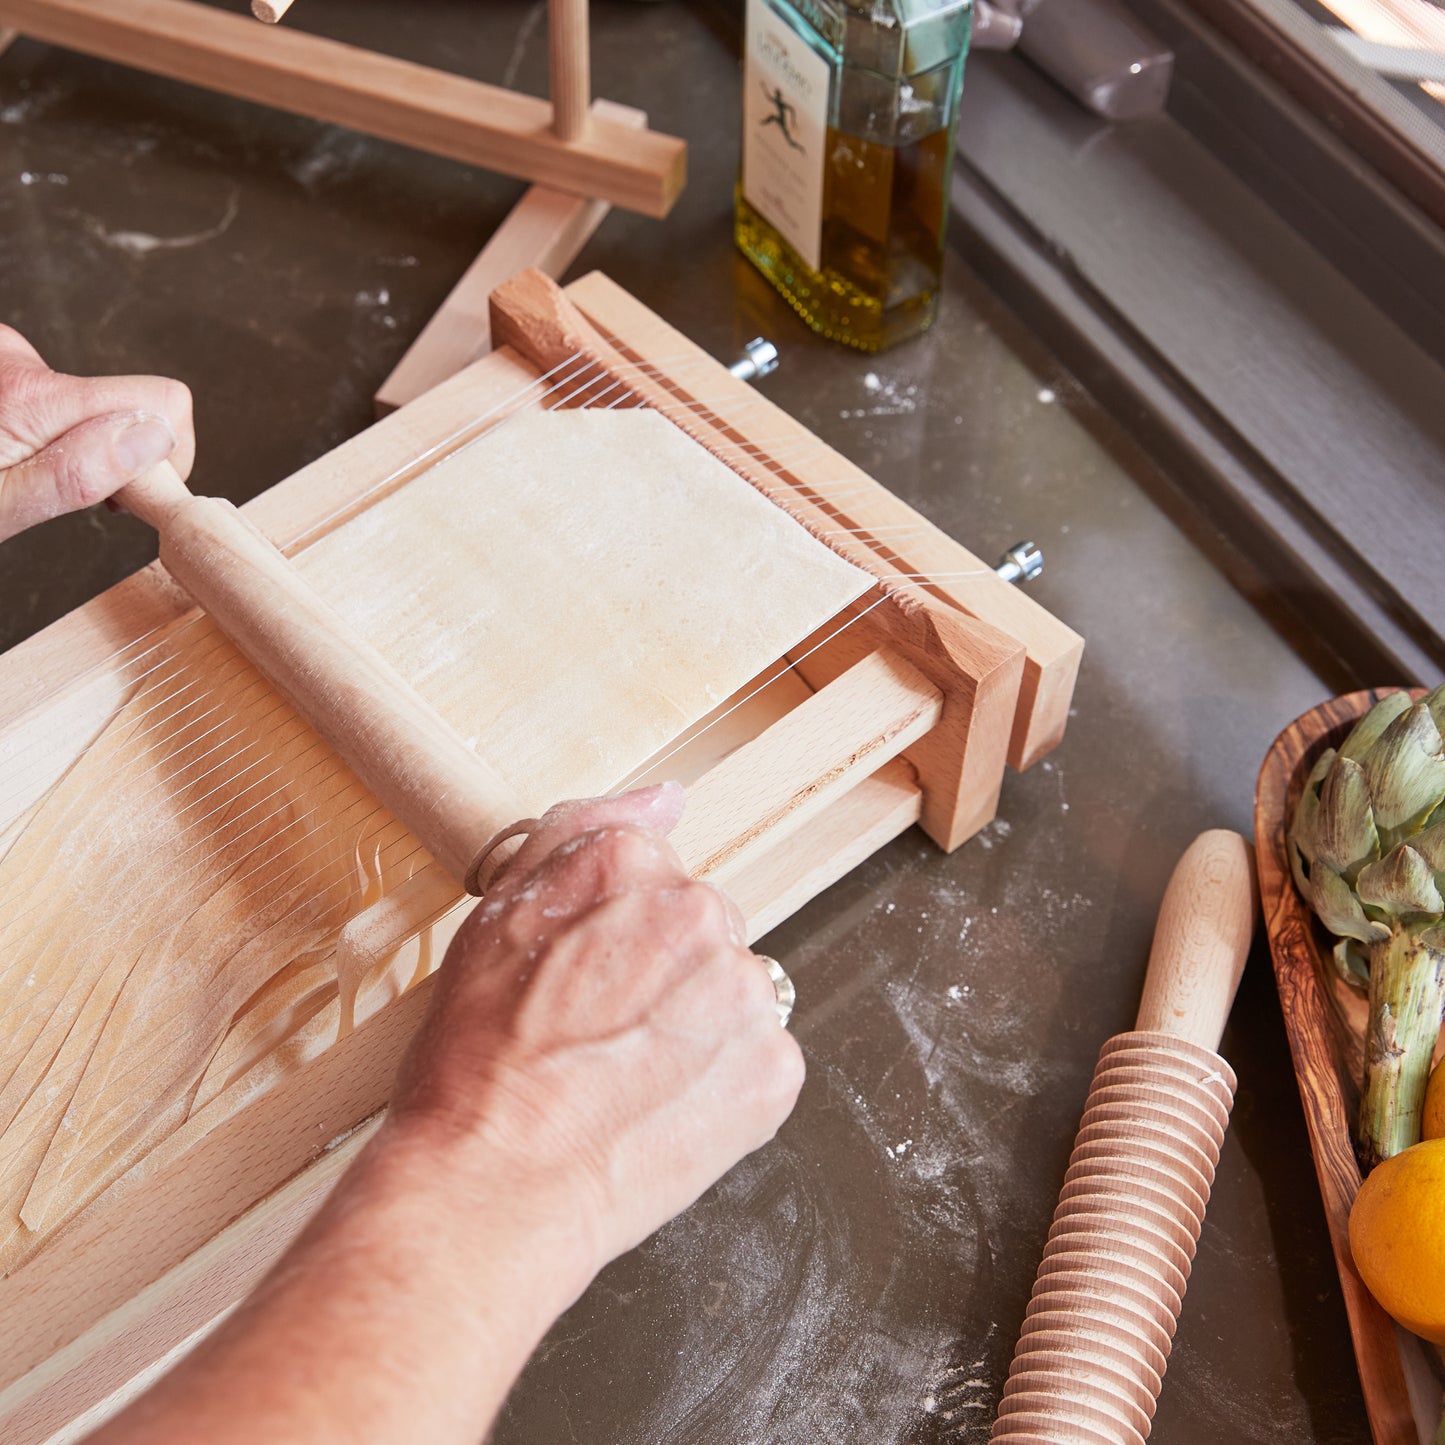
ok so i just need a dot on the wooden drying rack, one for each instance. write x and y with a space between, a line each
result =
581 156
912 715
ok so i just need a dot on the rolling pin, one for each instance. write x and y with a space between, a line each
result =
394 741
1095 1341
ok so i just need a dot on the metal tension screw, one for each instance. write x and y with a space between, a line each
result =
759 359
1021 563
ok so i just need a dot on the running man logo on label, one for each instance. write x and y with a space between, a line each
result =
785 123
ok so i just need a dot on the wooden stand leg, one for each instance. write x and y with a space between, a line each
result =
546 229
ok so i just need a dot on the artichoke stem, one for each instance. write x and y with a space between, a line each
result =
1407 1002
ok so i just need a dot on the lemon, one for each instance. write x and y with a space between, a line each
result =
1432 1125
1397 1236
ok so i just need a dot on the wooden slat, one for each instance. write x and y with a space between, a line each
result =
775 883
960 762
1052 649
803 762
448 115
546 229
83 1425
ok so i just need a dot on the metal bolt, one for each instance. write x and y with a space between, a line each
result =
1021 563
759 359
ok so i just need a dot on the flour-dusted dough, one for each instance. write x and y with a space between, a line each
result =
577 588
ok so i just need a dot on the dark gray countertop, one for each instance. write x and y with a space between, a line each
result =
864 1277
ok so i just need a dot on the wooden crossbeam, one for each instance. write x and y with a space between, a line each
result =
414 105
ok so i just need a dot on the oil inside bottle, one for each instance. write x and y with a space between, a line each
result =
881 242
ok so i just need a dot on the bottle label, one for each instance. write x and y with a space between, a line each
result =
785 127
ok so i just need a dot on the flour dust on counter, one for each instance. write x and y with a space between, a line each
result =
143 243
783 1328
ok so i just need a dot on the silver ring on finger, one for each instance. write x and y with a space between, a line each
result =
784 994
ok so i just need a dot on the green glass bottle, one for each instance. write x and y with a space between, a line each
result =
848 118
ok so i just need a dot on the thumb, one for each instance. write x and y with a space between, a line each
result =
658 807
82 467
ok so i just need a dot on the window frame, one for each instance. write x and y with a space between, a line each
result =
1282 511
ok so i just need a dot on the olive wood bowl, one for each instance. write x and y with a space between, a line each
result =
1325 1020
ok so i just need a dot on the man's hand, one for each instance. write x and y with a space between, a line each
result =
600 1047
600 1029
68 442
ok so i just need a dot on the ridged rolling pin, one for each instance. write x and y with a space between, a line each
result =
392 738
1091 1357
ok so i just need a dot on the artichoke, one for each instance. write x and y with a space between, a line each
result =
1367 846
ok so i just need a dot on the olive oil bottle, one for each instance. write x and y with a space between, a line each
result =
848 117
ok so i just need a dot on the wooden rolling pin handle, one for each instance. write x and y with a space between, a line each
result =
393 739
1201 940
156 495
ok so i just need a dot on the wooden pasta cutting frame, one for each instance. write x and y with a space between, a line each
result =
905 707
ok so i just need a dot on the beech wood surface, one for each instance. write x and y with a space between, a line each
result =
864 509
545 229
1201 940
804 762
1326 1059
431 110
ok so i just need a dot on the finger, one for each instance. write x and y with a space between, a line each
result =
82 467
658 808
42 405
737 924
14 347
161 395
